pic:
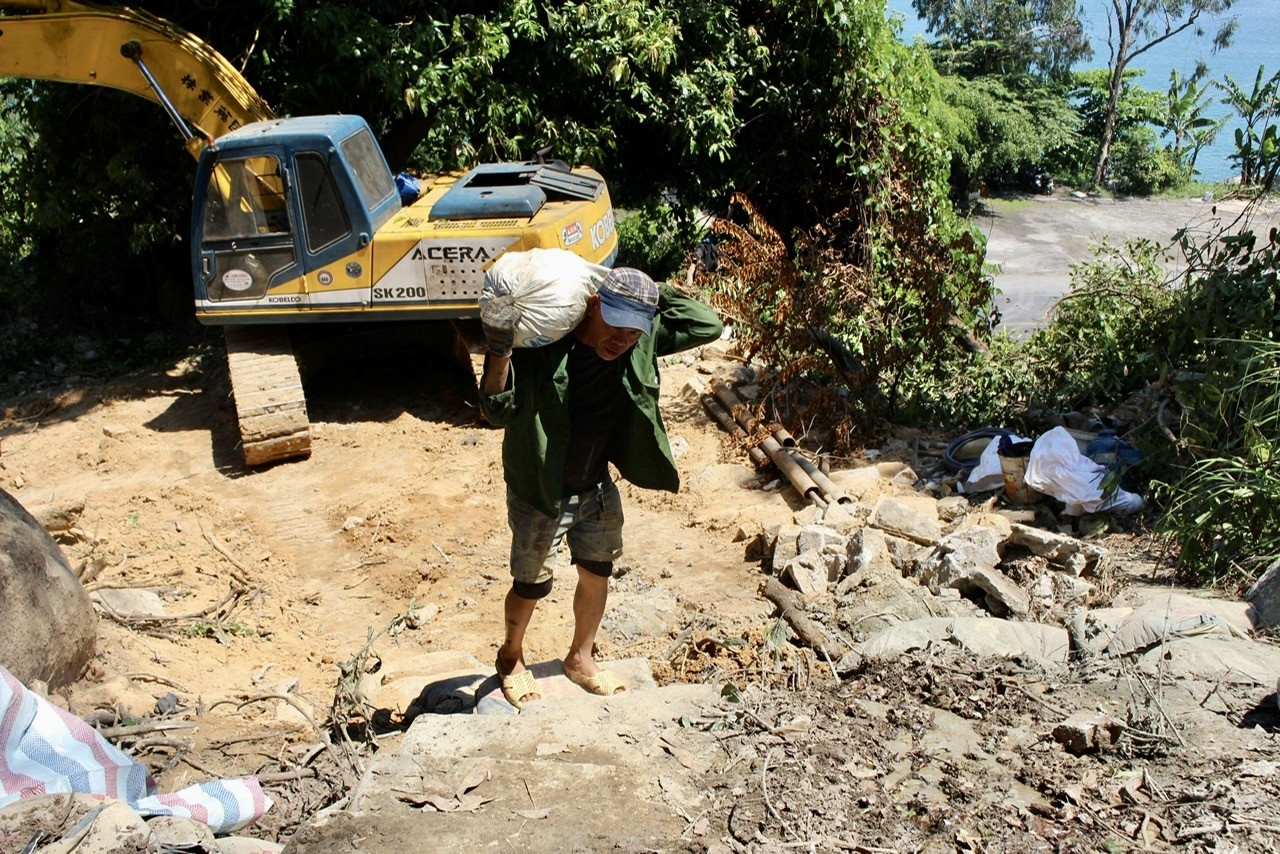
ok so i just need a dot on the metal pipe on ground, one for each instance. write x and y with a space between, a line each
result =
780 458
830 489
784 438
734 404
721 415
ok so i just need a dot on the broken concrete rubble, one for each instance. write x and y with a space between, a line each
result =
898 517
821 539
869 554
810 571
981 636
966 561
1054 589
1062 552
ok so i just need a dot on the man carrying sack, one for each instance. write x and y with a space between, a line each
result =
570 408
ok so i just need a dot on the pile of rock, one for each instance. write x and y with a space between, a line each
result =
895 569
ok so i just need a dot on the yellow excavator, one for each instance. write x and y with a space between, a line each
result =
298 220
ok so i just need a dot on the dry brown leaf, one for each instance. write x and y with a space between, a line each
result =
475 777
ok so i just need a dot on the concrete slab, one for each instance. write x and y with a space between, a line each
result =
475 781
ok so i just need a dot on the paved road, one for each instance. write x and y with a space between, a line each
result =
1036 239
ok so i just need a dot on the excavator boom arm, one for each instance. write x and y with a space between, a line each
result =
97 45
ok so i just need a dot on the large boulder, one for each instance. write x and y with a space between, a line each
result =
47 624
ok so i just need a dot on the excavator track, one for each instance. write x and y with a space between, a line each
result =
270 404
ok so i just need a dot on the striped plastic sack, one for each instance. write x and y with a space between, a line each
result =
46 750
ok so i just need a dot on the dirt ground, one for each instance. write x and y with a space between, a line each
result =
401 505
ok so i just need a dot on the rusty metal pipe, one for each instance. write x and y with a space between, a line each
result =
788 466
780 458
830 489
720 414
734 404
784 438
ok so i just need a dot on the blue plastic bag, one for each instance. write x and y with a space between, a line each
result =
408 187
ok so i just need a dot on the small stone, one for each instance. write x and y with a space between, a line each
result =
694 389
951 509
419 617
810 515
821 539
129 602
841 517
115 431
808 572
1088 732
785 544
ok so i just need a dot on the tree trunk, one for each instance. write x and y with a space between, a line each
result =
1108 126
1124 21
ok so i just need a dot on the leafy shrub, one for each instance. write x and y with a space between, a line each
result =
1224 512
1101 339
1138 166
657 239
989 387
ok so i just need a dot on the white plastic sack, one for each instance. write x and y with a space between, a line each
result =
1056 467
550 287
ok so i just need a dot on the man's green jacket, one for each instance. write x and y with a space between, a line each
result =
533 409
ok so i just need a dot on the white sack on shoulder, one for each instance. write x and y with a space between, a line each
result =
1056 467
550 287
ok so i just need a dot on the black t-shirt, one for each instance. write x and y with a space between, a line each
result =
595 398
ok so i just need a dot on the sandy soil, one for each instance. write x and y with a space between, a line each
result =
400 505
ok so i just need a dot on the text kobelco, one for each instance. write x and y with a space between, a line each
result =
451 253
601 229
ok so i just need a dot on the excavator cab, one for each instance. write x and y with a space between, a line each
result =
279 203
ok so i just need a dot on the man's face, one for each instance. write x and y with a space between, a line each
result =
609 342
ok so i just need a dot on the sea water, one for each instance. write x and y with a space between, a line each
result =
1256 42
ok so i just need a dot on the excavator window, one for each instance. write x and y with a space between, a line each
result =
370 170
322 211
247 231
246 199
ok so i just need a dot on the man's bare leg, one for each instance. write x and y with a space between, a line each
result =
589 601
518 611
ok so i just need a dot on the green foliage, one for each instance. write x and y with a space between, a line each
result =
978 38
973 390
1185 119
887 276
14 139
1257 153
658 239
1137 164
1224 512
1141 167
1101 341
993 127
